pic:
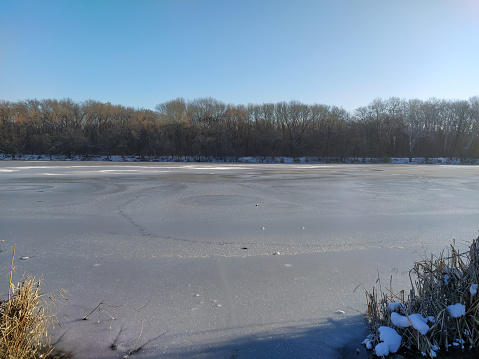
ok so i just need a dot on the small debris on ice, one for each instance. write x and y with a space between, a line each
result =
340 311
276 254
24 258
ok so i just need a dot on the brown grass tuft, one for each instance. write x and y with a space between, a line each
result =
26 319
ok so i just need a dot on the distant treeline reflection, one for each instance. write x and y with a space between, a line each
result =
207 127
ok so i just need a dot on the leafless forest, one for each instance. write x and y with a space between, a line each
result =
209 128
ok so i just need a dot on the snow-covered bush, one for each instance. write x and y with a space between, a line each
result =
440 311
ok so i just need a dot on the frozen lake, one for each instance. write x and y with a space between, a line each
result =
225 261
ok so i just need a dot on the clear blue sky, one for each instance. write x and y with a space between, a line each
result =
335 52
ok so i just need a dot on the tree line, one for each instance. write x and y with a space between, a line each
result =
207 127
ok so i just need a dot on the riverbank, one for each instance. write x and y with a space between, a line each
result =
249 159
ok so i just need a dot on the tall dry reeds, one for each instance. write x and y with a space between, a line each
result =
436 283
26 318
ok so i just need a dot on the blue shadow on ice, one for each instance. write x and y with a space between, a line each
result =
335 338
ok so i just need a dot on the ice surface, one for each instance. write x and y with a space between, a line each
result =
163 243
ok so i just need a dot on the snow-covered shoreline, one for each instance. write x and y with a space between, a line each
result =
248 159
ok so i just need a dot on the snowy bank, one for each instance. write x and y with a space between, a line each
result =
247 159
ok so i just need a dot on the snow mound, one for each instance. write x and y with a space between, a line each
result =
417 320
391 341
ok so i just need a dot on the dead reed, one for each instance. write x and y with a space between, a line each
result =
26 318
437 282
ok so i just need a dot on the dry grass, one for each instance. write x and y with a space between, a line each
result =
436 283
26 318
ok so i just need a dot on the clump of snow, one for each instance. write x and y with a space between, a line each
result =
417 320
391 341
368 342
399 320
419 323
395 305
381 349
456 310
473 289
446 278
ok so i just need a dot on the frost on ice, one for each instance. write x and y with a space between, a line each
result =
417 320
456 310
391 341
